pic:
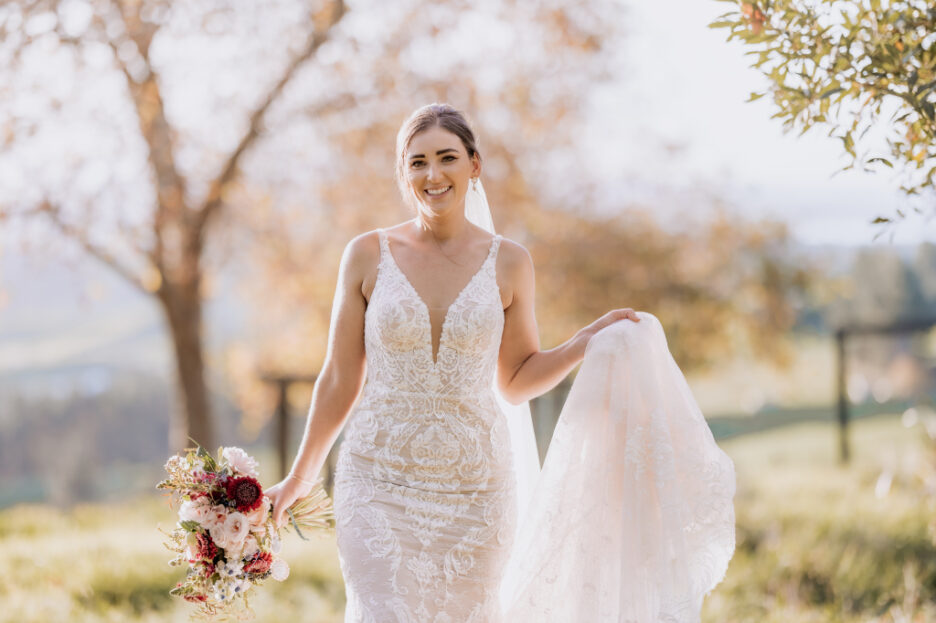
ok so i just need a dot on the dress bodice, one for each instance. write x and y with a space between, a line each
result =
398 333
425 423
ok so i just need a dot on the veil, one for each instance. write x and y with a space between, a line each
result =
519 418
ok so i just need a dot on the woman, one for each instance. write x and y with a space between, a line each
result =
432 311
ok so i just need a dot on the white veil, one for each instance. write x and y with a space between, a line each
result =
519 419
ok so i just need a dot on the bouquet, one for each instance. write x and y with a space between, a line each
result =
225 533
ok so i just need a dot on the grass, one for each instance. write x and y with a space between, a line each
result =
107 563
815 544
814 540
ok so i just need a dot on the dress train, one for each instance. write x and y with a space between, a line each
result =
632 519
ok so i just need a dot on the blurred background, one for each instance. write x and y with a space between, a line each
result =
178 180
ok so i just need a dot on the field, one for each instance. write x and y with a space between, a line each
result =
816 543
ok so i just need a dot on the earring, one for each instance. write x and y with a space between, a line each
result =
474 184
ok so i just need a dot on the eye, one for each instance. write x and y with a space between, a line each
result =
416 163
447 157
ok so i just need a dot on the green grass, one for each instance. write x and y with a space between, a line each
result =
814 541
815 544
108 563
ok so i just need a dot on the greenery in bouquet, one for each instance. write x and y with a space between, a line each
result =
225 533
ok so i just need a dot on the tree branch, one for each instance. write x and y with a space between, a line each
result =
214 199
154 126
81 237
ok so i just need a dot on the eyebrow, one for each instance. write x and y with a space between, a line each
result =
438 153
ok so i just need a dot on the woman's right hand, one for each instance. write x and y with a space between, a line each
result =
284 494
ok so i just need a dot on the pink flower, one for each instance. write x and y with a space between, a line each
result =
258 516
240 461
215 516
197 510
231 534
251 546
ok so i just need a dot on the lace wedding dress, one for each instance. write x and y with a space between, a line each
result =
631 520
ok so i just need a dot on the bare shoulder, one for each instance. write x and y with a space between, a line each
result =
514 271
513 259
362 251
359 262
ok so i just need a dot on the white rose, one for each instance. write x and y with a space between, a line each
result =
215 516
279 570
231 534
258 516
240 461
198 511
251 546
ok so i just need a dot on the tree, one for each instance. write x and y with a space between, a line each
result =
848 65
163 252
163 193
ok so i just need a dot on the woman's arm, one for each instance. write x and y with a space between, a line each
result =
523 370
341 378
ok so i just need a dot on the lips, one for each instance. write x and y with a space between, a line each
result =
434 194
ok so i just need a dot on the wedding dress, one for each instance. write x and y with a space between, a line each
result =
631 520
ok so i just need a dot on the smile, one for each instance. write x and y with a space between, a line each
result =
435 192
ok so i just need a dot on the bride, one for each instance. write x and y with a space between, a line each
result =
442 515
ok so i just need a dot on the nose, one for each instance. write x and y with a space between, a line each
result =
432 175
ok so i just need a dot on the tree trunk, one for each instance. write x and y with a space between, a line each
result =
191 416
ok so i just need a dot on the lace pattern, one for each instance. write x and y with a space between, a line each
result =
631 519
424 494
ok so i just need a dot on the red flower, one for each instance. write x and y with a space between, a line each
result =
208 570
245 492
207 550
195 597
260 563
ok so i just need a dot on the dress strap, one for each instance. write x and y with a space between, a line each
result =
384 243
495 245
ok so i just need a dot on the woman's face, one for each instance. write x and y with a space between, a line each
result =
439 170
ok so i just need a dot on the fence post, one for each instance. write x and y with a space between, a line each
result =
840 336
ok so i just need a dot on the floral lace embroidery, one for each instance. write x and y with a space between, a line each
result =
424 492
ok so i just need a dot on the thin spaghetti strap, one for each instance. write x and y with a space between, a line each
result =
495 245
384 244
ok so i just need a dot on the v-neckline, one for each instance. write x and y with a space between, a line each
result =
433 357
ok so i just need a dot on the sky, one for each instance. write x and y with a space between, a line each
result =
685 83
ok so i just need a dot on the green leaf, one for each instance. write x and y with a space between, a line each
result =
189 525
722 24
879 159
880 219
755 96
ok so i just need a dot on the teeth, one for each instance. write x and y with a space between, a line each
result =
437 191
